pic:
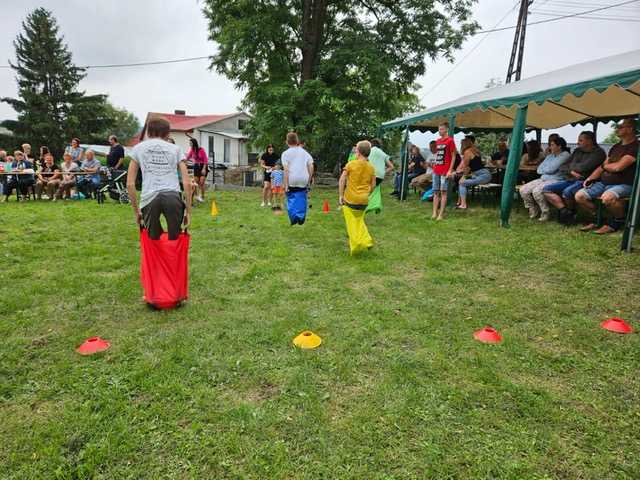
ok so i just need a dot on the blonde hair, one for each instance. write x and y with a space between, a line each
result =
364 148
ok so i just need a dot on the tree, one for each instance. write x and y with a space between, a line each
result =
331 70
613 136
122 123
487 142
50 107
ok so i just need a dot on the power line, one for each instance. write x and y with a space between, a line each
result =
475 47
611 19
562 17
138 64
482 32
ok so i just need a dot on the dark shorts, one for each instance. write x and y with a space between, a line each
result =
267 176
379 181
170 205
199 169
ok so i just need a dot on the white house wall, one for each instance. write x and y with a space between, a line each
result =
228 125
237 155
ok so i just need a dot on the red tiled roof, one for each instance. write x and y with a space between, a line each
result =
185 123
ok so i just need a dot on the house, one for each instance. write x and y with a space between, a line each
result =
221 136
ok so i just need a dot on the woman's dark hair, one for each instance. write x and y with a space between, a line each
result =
270 146
590 135
194 144
561 142
533 149
77 140
44 151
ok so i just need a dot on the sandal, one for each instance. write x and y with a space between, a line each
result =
588 227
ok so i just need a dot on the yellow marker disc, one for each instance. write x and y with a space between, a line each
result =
307 340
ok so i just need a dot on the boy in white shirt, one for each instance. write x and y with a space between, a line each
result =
298 170
159 161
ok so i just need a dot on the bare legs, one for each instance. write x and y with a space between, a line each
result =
266 193
439 204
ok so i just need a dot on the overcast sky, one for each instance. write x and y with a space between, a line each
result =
119 31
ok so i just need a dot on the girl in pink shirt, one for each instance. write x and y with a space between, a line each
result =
198 157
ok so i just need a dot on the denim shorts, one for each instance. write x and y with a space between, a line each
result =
440 183
596 190
567 188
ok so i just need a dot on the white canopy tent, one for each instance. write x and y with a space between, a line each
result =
601 89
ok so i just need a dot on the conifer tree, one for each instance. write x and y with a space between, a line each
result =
51 109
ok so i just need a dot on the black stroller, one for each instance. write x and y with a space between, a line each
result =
115 186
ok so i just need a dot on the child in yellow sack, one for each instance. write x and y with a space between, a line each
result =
358 179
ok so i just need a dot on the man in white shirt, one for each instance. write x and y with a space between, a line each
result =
297 163
160 162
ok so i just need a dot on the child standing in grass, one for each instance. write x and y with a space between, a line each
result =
277 179
357 181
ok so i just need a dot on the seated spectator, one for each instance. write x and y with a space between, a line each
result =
612 181
89 183
21 181
584 160
551 171
534 155
26 150
48 178
76 151
39 163
422 182
501 157
472 170
415 169
68 181
552 137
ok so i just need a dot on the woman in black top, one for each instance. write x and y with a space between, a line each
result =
473 170
268 160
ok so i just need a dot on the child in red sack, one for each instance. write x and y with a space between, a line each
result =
159 161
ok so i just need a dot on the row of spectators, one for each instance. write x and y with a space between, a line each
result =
554 177
79 171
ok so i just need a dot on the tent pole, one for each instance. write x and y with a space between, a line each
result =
633 215
513 165
451 186
404 165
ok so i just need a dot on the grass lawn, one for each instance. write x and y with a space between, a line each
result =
398 390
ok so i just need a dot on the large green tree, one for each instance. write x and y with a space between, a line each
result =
331 70
51 109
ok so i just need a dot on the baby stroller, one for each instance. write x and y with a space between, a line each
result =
115 186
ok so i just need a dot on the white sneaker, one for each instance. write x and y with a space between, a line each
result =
200 199
269 204
262 204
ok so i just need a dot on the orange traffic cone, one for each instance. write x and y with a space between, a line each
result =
325 207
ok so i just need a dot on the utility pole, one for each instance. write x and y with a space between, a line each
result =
518 42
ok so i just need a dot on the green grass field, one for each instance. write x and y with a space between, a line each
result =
398 390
